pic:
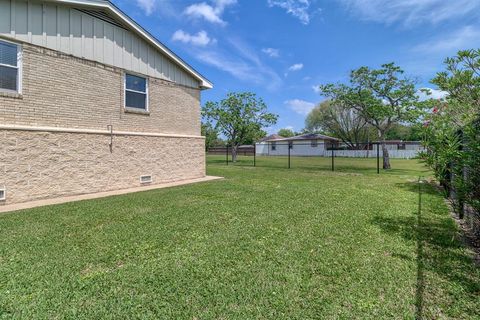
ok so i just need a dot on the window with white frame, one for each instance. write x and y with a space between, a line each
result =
314 143
136 92
10 67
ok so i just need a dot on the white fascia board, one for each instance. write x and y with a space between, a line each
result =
204 82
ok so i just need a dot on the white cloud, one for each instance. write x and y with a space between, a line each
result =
316 88
434 94
242 62
146 5
211 13
464 38
300 9
301 107
199 39
411 12
296 67
274 53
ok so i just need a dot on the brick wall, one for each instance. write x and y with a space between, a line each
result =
66 92
63 91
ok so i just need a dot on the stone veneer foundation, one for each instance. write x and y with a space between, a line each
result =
39 165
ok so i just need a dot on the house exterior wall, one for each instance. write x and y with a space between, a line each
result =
54 139
72 31
300 148
38 165
63 91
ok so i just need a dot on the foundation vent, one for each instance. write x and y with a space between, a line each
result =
146 179
3 194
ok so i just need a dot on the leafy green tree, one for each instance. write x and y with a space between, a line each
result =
339 121
462 82
240 117
382 97
452 130
210 134
405 132
286 133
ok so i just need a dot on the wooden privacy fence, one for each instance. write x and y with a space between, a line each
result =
242 151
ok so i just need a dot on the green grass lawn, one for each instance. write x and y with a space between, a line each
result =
264 243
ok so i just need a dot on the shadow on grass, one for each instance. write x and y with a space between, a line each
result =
413 187
438 249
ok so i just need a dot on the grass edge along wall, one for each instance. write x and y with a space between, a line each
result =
66 128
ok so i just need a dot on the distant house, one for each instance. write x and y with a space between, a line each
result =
271 138
302 145
90 102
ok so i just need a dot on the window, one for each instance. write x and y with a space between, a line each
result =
136 92
274 146
10 67
401 146
314 143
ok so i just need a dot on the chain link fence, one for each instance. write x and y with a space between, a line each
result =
463 183
311 155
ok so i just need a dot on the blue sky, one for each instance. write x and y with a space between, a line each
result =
282 49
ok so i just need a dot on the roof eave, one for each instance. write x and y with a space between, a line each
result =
105 4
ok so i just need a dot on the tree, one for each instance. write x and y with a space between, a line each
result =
286 133
339 121
462 82
382 97
404 132
210 134
240 117
452 130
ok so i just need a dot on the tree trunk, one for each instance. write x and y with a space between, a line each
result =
234 153
386 156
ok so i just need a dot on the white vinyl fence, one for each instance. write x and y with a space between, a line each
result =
304 150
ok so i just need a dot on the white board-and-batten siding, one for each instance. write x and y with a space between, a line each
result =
71 31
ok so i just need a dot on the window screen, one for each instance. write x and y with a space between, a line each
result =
9 66
135 92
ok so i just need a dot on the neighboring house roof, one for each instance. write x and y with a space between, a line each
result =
272 137
311 136
134 26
